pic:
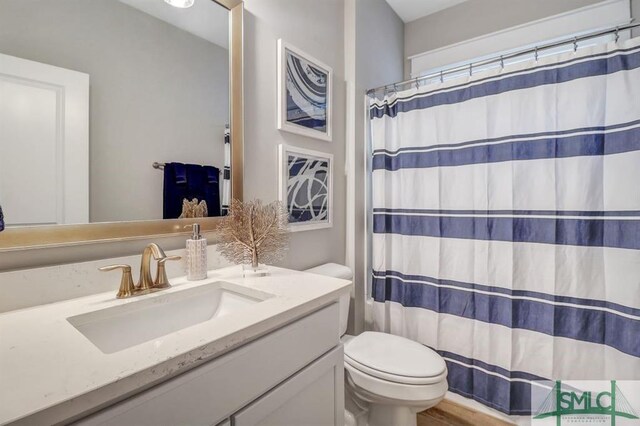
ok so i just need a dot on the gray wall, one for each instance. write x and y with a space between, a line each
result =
379 46
474 18
157 93
635 13
316 28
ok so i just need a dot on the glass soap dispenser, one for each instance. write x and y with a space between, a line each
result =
196 255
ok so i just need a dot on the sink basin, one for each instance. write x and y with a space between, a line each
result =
120 327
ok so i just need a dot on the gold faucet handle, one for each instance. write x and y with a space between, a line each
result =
127 288
161 276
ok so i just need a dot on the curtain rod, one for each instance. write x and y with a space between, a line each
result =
502 58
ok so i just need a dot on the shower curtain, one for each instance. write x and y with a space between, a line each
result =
506 222
226 176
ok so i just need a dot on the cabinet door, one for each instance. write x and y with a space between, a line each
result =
314 396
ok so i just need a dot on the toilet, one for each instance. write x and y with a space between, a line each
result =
388 378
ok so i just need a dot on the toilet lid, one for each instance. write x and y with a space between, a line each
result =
393 356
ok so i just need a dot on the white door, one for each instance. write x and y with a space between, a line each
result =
44 143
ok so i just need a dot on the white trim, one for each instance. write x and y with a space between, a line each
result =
283 124
481 408
283 150
589 18
350 132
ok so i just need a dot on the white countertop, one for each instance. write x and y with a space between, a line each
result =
50 372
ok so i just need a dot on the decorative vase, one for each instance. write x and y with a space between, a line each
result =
250 271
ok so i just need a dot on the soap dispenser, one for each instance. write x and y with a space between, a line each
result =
196 255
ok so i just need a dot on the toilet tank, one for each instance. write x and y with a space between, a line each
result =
337 271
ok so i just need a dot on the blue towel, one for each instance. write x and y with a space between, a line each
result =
190 181
180 173
212 190
213 174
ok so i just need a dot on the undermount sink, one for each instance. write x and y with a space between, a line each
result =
120 327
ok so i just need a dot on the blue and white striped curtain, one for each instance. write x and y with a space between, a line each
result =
506 227
226 174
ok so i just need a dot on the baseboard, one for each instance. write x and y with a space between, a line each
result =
475 405
449 412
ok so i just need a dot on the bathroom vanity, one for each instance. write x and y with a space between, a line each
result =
224 350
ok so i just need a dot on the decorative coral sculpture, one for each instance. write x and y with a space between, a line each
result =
192 209
254 231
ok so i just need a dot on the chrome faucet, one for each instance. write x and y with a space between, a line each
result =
145 284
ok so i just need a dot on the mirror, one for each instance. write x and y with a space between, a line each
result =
117 111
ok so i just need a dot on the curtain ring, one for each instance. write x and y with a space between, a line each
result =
501 62
617 34
536 53
575 44
417 84
441 77
470 69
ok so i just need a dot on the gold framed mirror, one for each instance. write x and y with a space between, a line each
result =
43 236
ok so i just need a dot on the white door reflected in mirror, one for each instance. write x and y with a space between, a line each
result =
94 93
44 139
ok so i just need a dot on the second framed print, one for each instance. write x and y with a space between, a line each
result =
306 187
304 93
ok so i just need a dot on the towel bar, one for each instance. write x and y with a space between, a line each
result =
160 166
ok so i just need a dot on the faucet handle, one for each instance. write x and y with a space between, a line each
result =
127 288
161 275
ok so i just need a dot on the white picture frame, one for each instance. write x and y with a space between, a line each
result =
309 106
318 212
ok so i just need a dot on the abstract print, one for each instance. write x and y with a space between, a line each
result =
307 189
306 91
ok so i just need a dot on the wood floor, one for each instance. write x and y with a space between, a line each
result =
449 413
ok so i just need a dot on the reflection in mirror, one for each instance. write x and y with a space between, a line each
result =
112 110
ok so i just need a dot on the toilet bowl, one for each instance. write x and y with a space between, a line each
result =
388 378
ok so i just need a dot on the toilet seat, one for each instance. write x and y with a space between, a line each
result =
375 390
382 375
394 359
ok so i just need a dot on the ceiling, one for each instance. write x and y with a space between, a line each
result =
205 19
410 10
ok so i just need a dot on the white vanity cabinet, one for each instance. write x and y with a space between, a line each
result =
291 376
312 397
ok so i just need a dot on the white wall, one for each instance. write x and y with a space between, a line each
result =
157 93
475 18
586 19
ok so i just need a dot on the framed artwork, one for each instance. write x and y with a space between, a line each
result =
304 93
306 187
